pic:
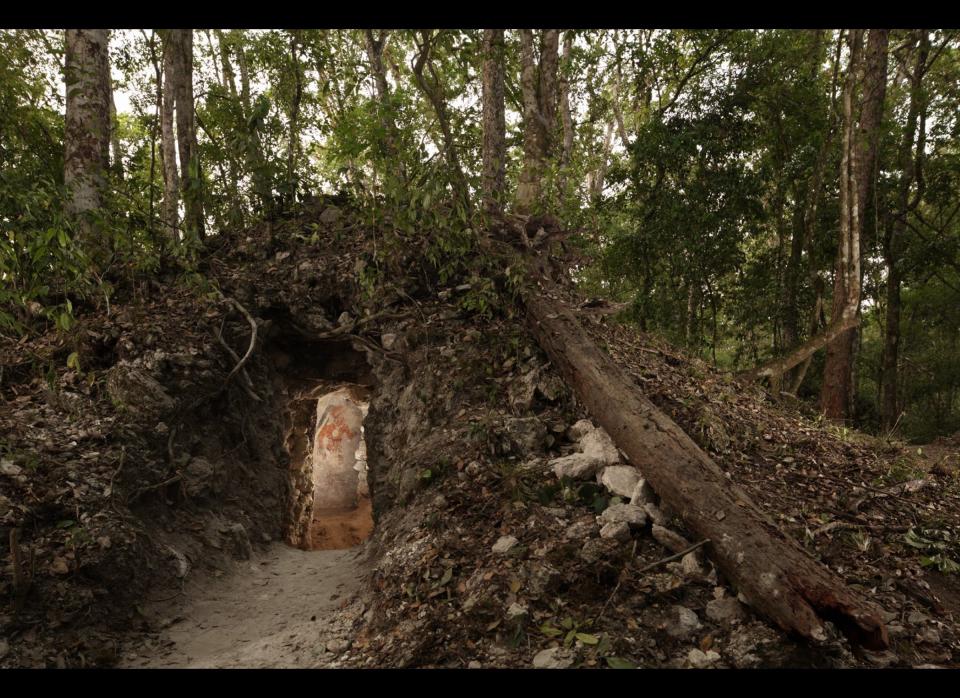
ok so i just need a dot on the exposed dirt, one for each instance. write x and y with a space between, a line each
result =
279 609
336 530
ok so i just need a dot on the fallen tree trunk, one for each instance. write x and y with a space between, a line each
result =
770 569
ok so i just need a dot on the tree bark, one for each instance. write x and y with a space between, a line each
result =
190 176
87 134
837 390
538 82
770 569
494 123
168 147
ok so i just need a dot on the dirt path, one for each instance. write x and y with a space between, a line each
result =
279 609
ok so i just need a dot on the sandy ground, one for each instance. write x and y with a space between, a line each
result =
336 529
280 609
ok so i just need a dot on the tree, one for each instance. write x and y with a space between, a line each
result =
87 135
540 100
494 122
837 389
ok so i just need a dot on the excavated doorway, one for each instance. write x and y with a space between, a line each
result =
329 388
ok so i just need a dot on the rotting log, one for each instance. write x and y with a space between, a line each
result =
771 570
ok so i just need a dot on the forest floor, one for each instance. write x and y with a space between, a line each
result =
280 609
136 471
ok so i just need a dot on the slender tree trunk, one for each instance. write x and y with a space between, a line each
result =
494 123
910 156
190 175
87 135
566 117
168 146
837 390
293 145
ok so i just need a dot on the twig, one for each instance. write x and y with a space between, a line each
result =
17 563
676 556
148 488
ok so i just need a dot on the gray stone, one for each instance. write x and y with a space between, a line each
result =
9 468
388 340
330 215
930 635
592 551
653 511
576 466
701 660
238 542
690 566
504 544
620 479
616 531
599 445
198 476
725 611
525 433
580 529
623 513
642 493
138 392
673 542
553 658
580 429
474 664
686 623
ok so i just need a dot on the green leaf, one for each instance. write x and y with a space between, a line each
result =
620 663
588 639
73 361
550 631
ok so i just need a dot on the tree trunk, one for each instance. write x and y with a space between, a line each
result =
168 146
770 569
566 116
87 134
494 123
837 390
190 176
910 157
538 82
293 144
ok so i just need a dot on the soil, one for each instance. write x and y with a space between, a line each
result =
274 611
336 530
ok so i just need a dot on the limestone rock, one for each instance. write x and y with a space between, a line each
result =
525 433
623 513
599 445
553 658
642 493
690 566
673 542
616 531
620 479
592 551
516 611
686 623
504 544
653 511
580 530
388 340
580 429
725 611
576 466
701 660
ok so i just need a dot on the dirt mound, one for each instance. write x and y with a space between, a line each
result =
144 470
